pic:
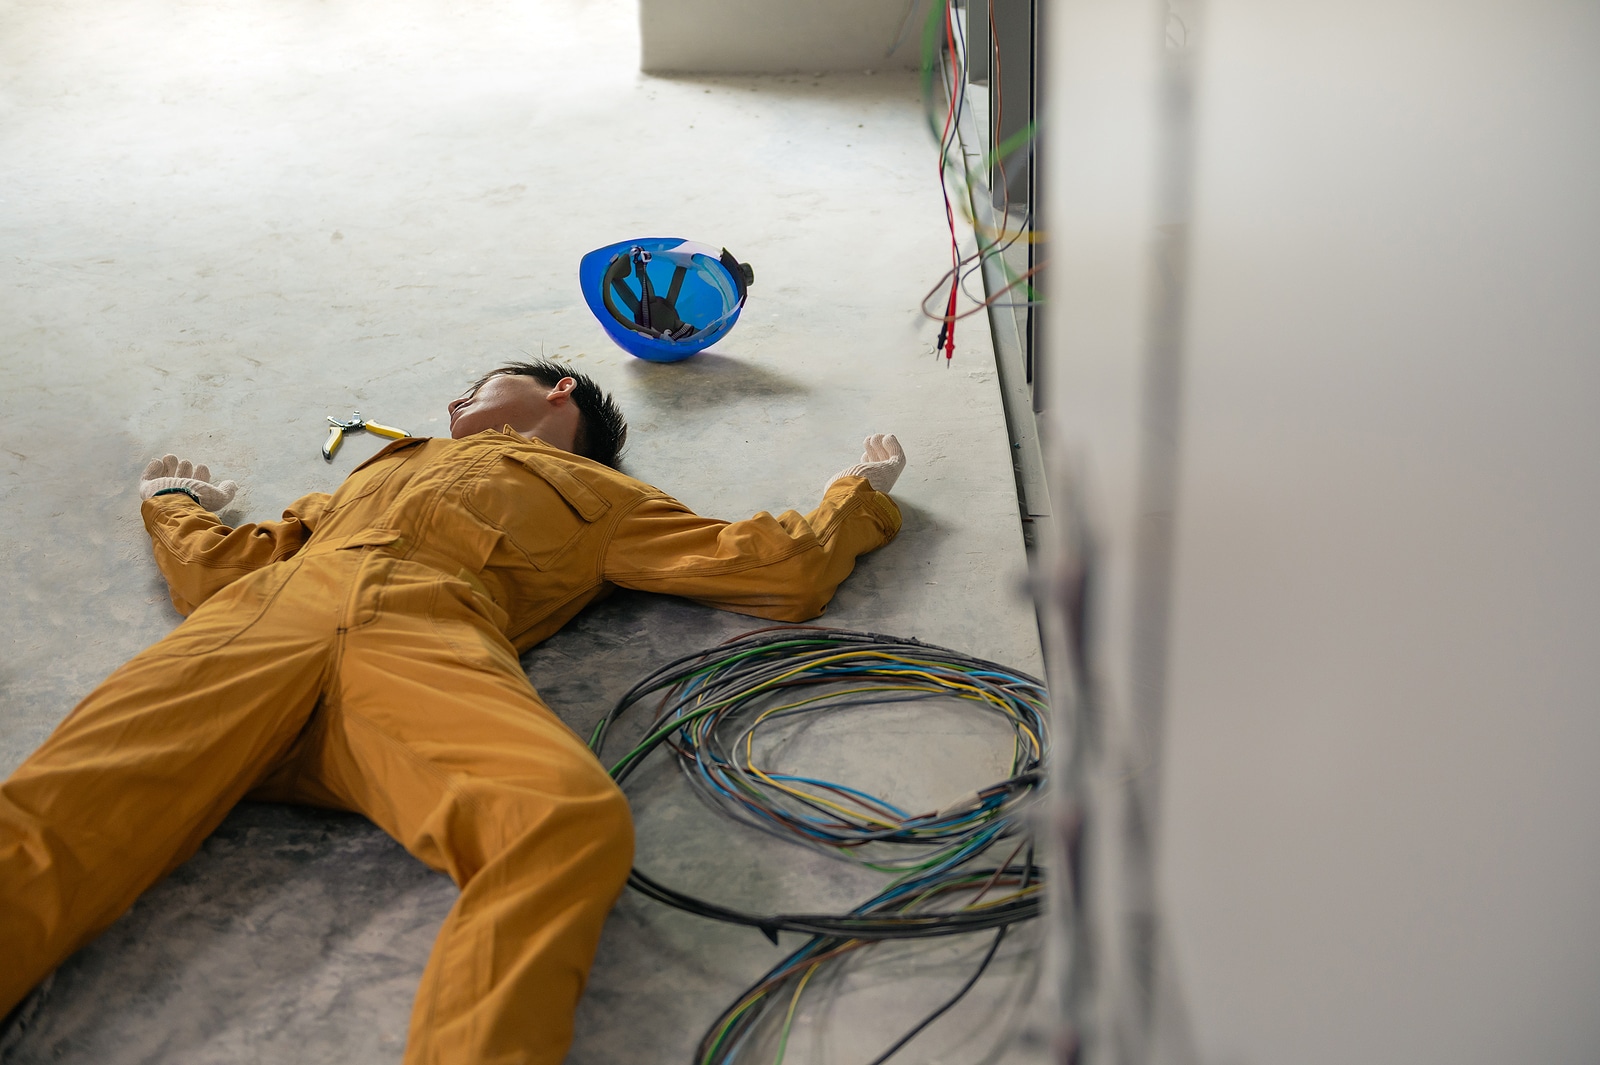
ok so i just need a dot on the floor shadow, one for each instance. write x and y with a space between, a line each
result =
709 380
297 933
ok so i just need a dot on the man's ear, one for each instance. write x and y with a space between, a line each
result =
562 391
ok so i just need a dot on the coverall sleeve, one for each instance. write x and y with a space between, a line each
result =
199 556
784 568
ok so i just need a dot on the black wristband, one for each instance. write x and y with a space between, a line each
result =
170 491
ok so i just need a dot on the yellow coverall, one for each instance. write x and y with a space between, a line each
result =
362 654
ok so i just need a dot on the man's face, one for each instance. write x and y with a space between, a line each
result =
527 405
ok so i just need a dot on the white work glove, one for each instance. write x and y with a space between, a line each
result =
170 472
880 464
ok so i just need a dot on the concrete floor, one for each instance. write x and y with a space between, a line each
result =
221 223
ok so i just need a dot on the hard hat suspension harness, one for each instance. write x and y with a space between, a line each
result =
653 314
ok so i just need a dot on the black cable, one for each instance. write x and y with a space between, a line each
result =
968 986
723 1037
903 926
940 1012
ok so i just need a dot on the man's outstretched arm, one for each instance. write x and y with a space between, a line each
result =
196 553
785 568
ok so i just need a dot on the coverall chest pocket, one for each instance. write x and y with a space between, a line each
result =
541 509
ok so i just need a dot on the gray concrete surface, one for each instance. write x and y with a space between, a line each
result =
221 223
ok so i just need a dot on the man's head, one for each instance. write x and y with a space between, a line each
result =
547 400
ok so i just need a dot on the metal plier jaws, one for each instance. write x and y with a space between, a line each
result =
356 424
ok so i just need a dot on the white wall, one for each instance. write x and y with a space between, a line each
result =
1380 821
779 36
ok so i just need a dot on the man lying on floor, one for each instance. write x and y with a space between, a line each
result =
361 654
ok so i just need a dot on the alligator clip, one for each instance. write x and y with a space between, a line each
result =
356 424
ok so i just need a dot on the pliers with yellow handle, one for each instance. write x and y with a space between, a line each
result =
355 424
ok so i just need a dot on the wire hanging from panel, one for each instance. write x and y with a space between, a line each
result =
944 49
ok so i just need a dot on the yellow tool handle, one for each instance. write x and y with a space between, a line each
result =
387 430
329 446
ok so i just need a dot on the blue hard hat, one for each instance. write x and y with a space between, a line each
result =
664 298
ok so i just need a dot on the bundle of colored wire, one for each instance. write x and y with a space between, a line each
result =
716 701
779 990
710 708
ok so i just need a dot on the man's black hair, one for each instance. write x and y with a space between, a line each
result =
602 430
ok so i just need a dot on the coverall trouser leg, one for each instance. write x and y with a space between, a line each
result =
432 730
149 763
425 723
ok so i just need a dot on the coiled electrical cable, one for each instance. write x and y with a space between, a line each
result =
710 707
770 674
726 1036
